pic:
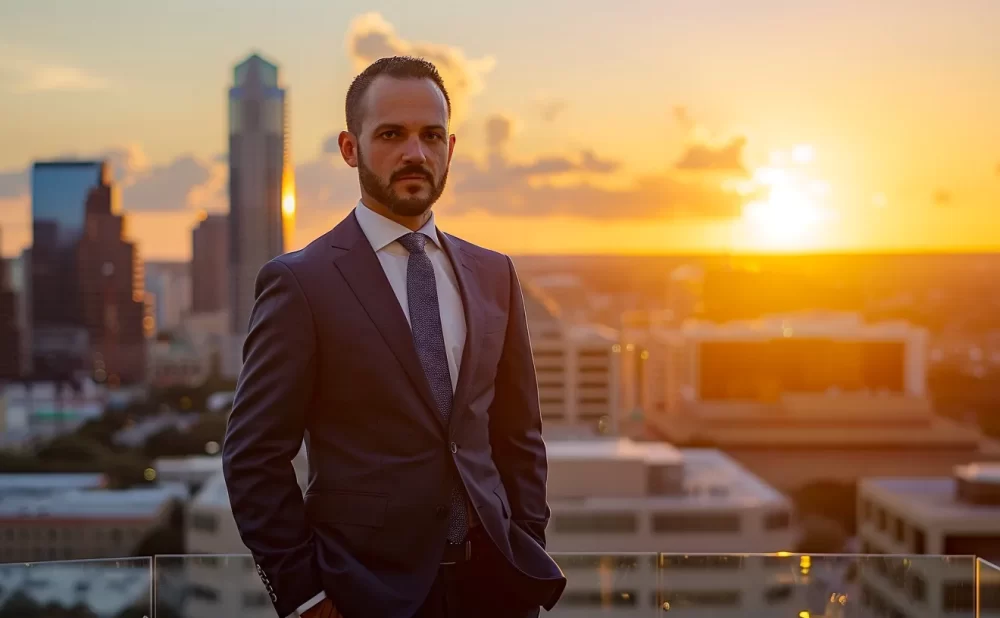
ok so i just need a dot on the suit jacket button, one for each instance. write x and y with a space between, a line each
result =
441 512
454 447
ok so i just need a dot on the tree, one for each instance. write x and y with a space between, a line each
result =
832 500
161 540
821 536
74 448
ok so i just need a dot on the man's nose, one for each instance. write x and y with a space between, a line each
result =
413 151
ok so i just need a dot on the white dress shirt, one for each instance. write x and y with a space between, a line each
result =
382 234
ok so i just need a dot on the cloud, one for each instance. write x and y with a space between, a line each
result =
499 129
59 79
652 196
683 117
942 197
185 183
25 75
551 108
370 37
704 157
503 187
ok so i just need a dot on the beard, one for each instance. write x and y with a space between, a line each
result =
384 193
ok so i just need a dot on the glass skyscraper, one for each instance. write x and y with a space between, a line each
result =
59 192
259 180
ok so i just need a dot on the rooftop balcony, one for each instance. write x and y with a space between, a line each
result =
636 585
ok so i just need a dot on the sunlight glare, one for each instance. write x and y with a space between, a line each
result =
791 214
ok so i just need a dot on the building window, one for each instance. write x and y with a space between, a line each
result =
584 523
586 401
899 529
694 599
919 541
984 546
116 535
779 520
670 523
882 518
598 598
206 522
866 510
204 593
778 594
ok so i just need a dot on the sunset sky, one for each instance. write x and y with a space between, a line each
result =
583 126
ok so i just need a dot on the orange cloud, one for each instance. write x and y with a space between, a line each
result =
370 37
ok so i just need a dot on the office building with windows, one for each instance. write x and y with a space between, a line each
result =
956 515
799 397
576 368
623 505
210 265
59 193
68 516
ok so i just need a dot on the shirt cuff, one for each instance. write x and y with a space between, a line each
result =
308 605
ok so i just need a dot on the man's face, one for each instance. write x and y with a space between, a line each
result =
404 149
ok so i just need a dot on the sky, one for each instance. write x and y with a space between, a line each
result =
583 127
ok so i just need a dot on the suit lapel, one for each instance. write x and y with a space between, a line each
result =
467 275
363 273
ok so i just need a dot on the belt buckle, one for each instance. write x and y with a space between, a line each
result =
468 553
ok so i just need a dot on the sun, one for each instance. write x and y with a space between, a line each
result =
792 210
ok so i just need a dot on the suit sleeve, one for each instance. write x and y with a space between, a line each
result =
265 431
516 423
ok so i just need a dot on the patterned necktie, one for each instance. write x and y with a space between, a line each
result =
428 337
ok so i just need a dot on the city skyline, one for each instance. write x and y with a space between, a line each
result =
695 135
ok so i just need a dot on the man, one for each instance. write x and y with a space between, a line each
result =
401 355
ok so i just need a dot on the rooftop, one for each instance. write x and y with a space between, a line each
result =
613 449
932 498
94 503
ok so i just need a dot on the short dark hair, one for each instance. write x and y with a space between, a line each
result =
400 67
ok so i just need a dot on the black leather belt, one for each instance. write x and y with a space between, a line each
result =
454 553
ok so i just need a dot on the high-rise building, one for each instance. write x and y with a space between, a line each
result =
10 346
259 180
59 192
168 289
210 265
110 276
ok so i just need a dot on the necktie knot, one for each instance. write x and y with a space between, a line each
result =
414 242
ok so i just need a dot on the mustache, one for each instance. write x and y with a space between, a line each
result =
411 170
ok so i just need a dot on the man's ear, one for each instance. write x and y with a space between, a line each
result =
348 147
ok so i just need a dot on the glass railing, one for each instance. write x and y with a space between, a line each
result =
637 584
988 586
77 589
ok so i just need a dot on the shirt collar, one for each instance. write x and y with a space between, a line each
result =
382 232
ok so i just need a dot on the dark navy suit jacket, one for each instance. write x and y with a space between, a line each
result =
330 358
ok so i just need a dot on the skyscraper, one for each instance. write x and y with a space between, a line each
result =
59 191
210 265
110 275
259 180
